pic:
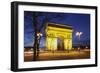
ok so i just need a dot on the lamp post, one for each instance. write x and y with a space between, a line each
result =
78 34
39 35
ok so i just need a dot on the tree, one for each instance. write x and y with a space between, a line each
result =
35 35
37 29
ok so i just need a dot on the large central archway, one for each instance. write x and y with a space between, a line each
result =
60 44
58 37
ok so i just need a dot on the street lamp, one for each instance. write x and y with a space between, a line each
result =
78 34
39 35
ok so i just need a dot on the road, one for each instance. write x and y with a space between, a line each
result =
58 55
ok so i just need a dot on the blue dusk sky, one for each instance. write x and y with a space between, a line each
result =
79 22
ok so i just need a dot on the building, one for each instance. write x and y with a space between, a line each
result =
58 36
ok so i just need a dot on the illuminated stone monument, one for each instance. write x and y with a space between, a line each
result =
58 37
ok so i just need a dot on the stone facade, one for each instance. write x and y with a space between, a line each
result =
58 37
